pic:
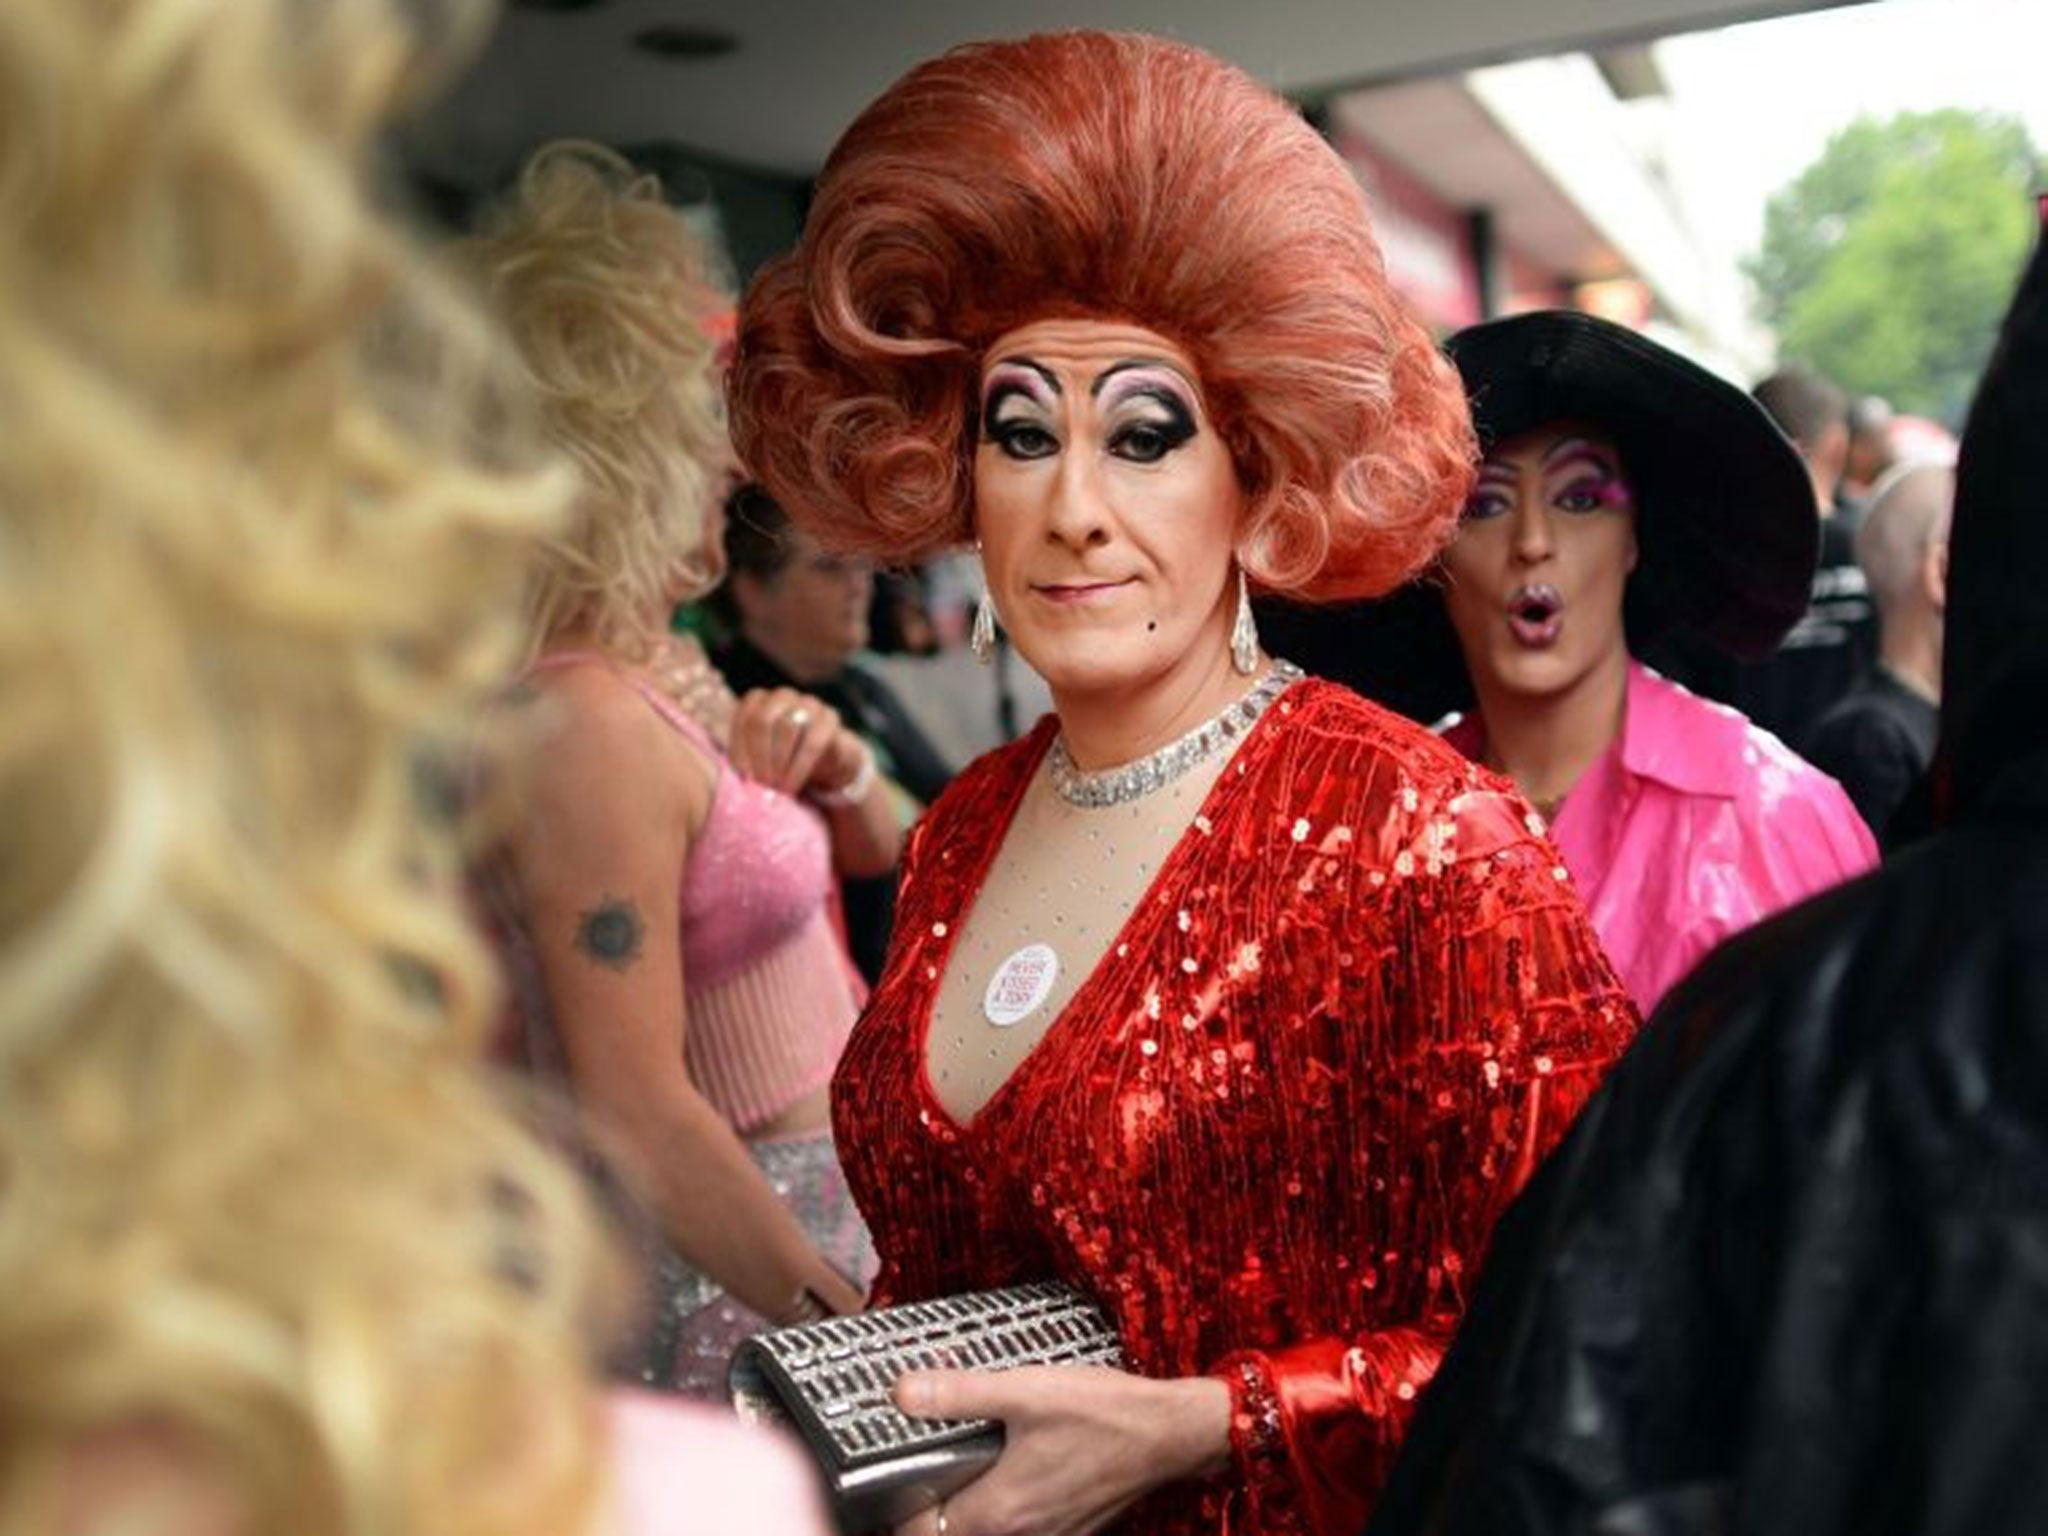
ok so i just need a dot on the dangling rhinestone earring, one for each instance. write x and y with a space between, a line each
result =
1244 633
982 640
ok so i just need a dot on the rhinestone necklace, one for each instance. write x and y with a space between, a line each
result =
1134 780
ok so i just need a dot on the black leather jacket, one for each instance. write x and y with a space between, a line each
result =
1789 1274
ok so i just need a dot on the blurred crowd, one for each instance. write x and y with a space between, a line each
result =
555 818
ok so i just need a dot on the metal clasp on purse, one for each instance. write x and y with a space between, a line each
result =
832 1381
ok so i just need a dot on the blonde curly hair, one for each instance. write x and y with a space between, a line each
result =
263 524
604 290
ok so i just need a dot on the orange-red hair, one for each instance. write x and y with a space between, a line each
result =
1116 176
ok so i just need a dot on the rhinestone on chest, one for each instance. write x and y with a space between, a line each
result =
1040 932
1059 917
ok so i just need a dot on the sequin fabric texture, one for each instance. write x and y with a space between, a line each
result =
1272 1130
697 1325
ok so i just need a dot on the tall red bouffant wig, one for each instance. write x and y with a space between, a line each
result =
1119 177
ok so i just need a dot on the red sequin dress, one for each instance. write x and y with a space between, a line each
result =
1272 1131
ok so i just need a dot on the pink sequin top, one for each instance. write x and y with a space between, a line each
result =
769 991
1693 825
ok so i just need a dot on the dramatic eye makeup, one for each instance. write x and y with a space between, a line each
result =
1493 494
1018 402
1149 411
1146 410
1580 476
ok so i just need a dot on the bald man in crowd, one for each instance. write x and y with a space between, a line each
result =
1879 740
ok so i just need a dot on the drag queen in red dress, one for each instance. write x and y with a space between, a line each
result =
1225 996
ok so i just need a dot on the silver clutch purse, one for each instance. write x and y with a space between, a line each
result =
831 1383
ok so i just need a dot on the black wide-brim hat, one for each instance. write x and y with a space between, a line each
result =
1727 530
1726 524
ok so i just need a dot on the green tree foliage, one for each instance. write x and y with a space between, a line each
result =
1888 263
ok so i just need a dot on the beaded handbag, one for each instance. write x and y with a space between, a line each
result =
831 1382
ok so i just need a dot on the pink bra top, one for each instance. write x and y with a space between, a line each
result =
769 990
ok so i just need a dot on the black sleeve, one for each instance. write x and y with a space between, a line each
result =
1870 757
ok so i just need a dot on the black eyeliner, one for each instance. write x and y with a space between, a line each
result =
1179 427
990 427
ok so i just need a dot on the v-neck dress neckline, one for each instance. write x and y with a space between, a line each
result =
1359 1001
1170 869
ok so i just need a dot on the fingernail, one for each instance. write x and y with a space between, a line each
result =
913 1394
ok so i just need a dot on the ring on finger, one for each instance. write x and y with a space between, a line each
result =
798 718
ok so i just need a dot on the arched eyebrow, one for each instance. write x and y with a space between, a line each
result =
1151 378
1570 449
1023 376
1139 364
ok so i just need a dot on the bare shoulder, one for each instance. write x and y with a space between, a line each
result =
562 709
587 743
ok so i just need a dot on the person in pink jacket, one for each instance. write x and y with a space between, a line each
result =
1626 493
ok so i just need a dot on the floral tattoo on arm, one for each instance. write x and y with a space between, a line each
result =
609 934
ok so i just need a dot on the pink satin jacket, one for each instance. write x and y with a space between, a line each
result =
1693 825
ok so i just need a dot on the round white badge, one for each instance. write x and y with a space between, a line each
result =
1020 984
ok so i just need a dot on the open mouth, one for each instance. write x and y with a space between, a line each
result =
1536 615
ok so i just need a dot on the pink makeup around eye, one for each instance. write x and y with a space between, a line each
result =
1613 492
1590 469
1125 381
1020 377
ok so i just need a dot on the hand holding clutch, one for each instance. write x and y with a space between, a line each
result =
1082 1444
834 1383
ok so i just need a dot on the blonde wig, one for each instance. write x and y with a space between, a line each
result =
604 290
262 530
